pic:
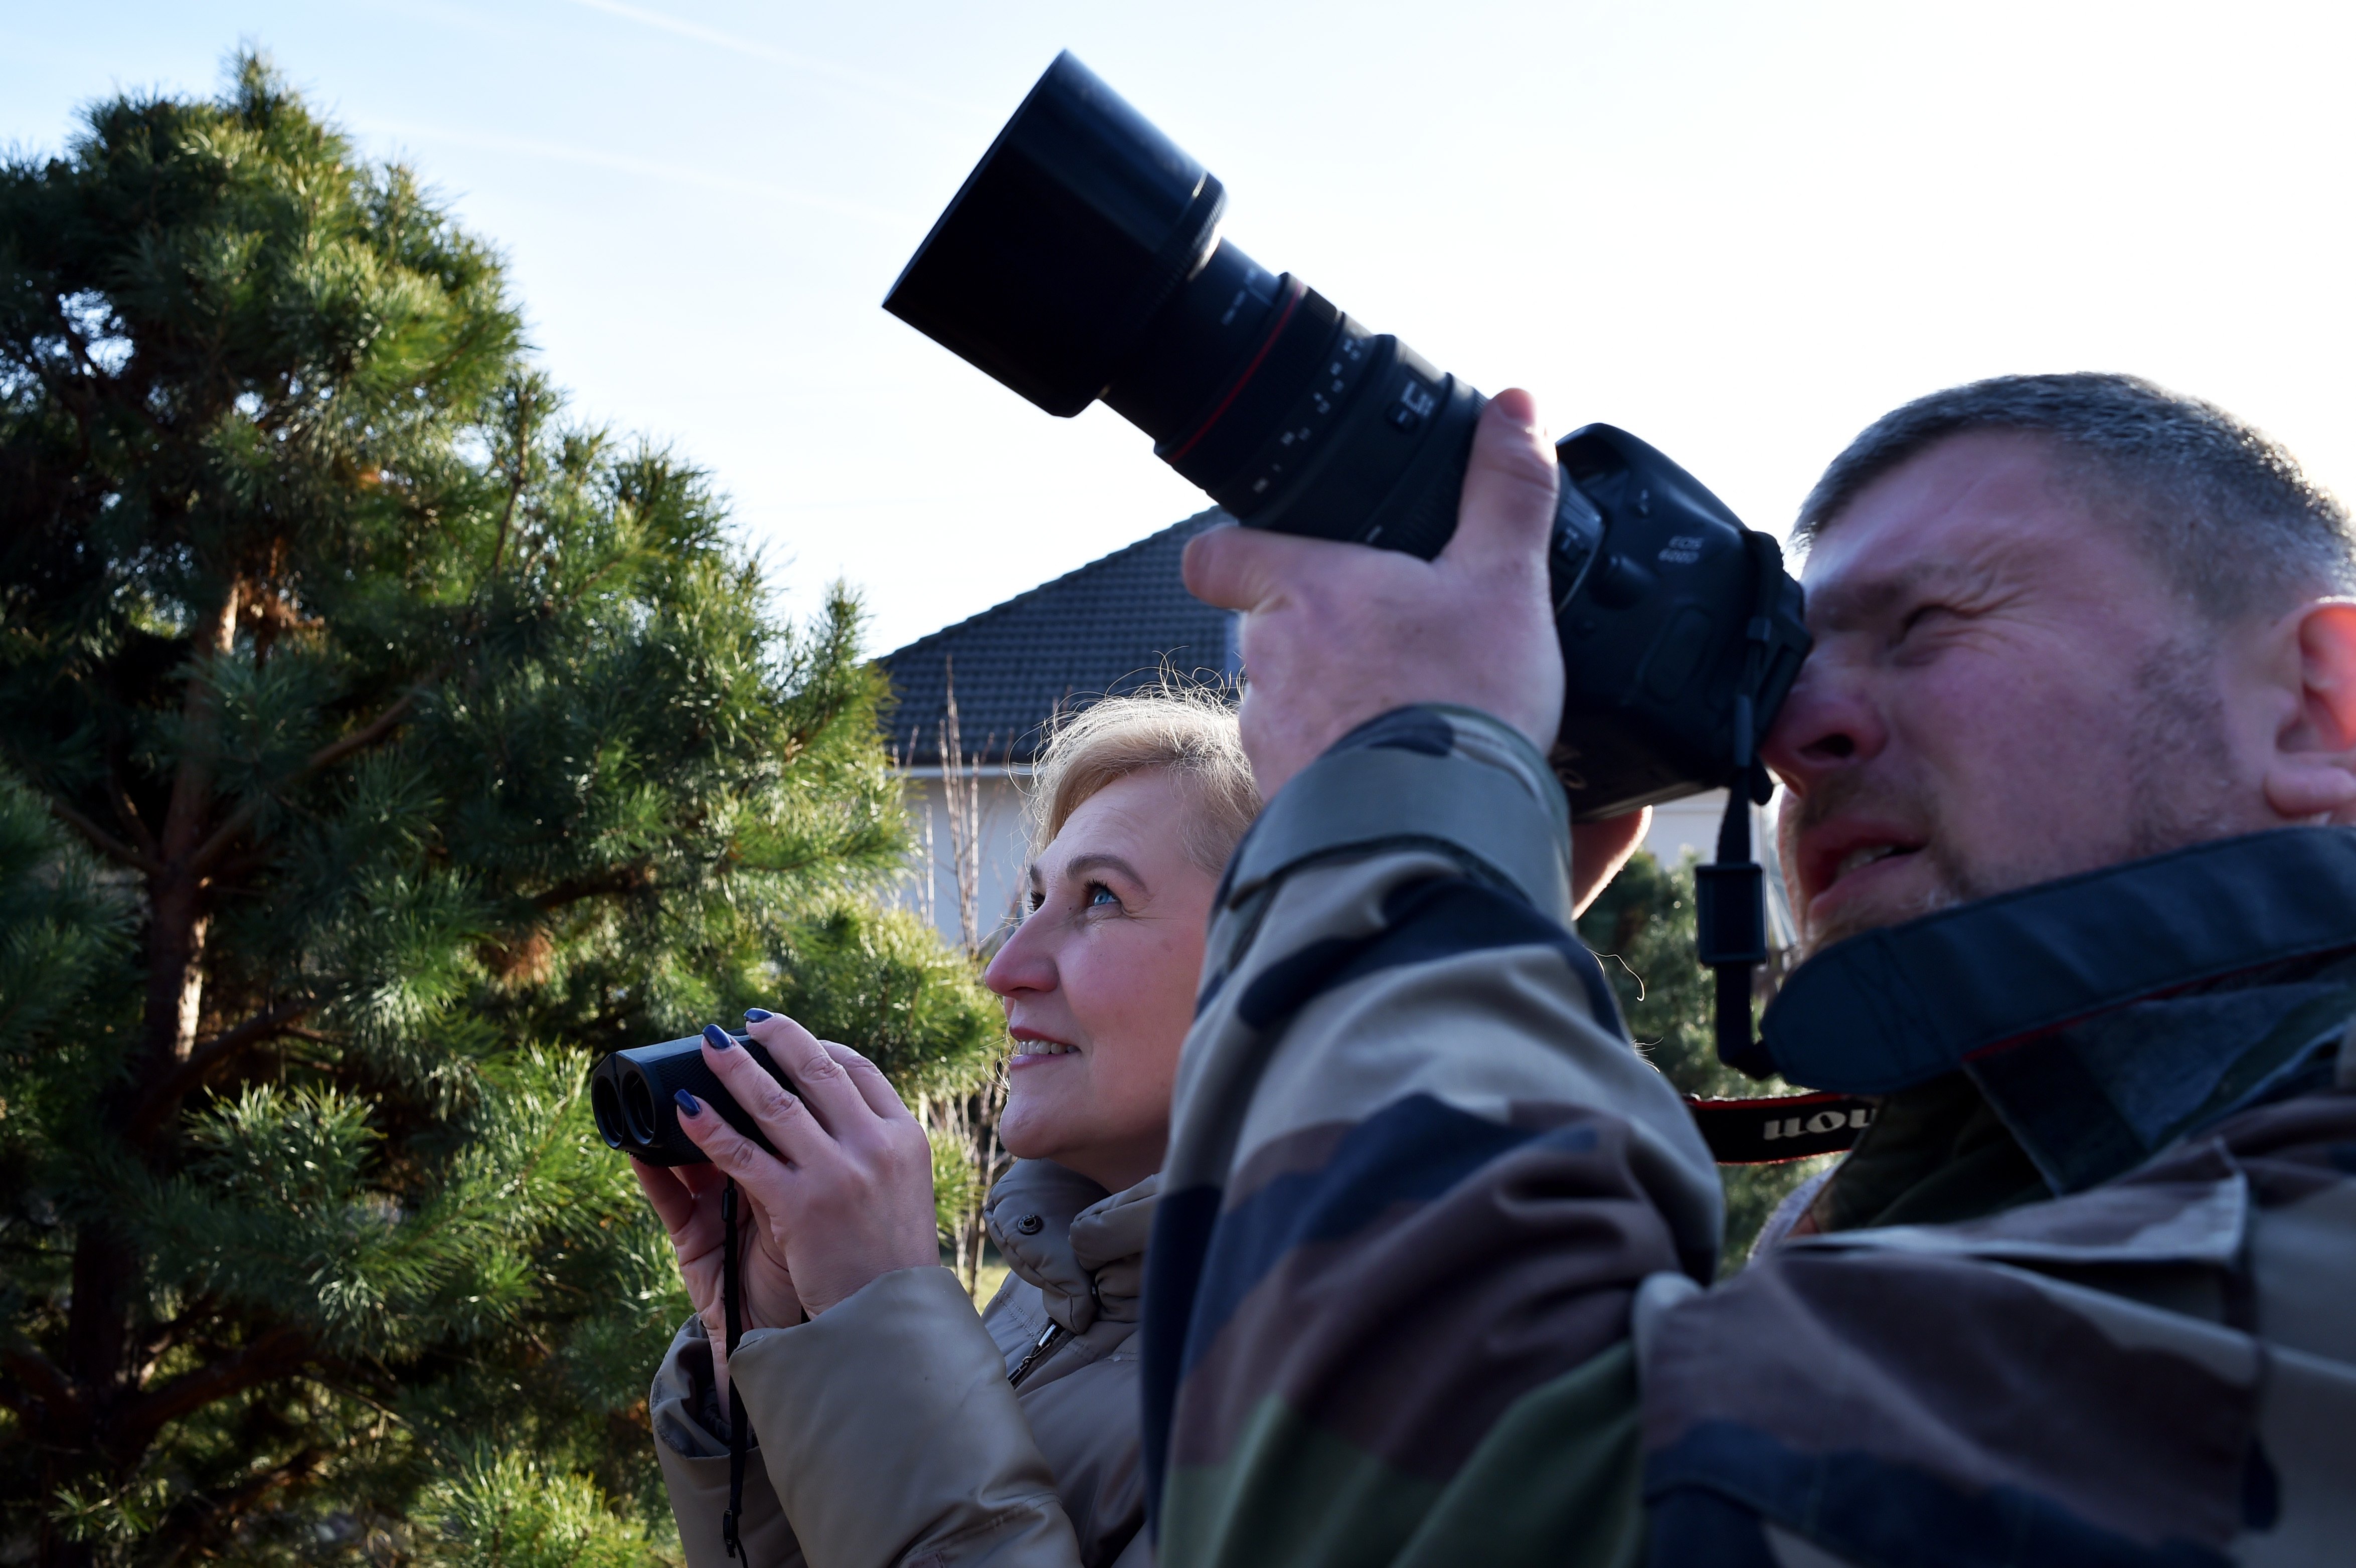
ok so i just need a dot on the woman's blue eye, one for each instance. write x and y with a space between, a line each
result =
1100 894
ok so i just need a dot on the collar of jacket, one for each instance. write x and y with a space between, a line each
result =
2103 1014
1085 1251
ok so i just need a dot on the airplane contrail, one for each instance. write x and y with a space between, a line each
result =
652 168
810 64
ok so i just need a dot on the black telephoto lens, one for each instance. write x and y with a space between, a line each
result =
1082 260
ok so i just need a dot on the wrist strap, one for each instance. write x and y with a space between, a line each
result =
739 1423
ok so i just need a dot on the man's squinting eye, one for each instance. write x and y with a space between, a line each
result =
1918 615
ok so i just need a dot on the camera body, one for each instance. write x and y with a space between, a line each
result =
631 1095
1681 632
1082 259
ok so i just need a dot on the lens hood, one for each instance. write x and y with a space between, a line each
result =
1066 239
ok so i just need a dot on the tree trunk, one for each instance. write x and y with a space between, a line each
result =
105 1268
176 913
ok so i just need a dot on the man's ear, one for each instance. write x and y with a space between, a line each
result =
2313 770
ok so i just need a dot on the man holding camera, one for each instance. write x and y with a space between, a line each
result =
2067 778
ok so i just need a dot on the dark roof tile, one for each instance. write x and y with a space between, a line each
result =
1110 626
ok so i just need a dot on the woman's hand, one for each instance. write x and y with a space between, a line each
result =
853 1199
686 1197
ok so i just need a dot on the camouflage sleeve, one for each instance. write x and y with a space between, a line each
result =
1417 1176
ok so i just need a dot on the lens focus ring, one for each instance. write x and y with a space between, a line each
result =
1297 440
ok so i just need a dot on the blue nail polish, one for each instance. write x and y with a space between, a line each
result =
758 1014
688 1102
718 1039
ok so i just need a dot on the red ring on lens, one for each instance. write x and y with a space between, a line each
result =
1292 298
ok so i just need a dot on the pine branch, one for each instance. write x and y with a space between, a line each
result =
631 878
73 391
165 1337
46 1389
335 1379
105 843
327 756
278 1352
158 1101
127 810
304 1465
205 1517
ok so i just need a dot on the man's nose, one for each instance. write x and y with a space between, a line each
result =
1828 723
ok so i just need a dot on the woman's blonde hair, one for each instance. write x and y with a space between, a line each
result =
1190 730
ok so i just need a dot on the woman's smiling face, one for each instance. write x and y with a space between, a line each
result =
1099 982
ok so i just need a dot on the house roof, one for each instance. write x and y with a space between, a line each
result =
1111 627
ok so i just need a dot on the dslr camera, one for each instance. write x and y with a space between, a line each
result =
1083 261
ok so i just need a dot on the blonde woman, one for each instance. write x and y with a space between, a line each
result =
891 1425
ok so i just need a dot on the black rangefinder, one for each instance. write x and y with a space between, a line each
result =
1083 260
631 1092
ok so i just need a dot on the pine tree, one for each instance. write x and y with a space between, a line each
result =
1642 926
376 746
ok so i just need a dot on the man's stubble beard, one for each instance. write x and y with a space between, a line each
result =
2178 789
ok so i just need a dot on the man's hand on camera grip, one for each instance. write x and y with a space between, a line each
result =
1334 634
852 1199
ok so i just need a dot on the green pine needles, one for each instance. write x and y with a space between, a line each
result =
376 746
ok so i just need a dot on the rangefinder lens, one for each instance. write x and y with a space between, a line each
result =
605 1105
633 1094
639 1105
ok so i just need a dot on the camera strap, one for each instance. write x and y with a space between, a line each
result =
1731 913
1730 893
1778 1127
740 1426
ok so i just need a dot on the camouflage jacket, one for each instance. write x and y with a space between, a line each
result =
1430 1280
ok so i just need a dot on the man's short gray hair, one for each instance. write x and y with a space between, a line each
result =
2229 517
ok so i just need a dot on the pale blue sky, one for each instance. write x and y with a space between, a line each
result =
1740 229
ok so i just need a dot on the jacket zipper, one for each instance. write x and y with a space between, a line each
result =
1048 1339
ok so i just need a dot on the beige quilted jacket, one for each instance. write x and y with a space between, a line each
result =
899 1428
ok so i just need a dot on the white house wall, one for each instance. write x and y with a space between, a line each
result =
1677 827
931 889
